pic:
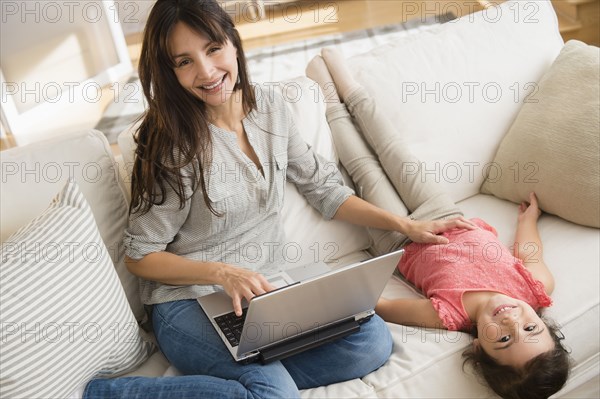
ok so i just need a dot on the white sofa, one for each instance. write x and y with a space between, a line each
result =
417 81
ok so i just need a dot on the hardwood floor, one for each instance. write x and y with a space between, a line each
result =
579 19
286 21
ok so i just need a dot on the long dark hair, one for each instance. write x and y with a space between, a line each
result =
539 378
174 131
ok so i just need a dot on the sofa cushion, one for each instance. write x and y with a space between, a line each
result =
454 90
572 254
128 105
308 233
33 174
553 147
62 305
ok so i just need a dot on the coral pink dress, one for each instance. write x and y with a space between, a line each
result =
473 260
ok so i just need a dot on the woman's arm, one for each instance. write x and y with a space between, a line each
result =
172 269
358 211
528 244
409 312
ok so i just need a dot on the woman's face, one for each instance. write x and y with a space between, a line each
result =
206 69
511 332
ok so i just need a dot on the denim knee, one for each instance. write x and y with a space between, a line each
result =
190 343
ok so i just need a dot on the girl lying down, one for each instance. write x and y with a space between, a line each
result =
497 299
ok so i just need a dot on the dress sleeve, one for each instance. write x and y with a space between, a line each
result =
154 230
451 317
317 179
536 286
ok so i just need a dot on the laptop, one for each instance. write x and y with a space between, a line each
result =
312 306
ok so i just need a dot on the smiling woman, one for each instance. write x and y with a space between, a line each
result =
207 69
210 71
173 83
203 116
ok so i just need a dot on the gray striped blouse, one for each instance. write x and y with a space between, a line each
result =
250 233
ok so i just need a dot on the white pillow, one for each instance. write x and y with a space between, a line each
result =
65 317
33 174
453 91
553 148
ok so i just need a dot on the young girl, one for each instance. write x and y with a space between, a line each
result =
208 179
494 297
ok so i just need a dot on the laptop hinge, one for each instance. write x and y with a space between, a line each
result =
309 340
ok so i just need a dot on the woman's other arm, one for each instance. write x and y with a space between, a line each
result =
358 211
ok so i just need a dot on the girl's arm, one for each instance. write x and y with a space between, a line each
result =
409 312
358 211
528 244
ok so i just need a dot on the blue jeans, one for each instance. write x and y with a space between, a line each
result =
182 387
188 340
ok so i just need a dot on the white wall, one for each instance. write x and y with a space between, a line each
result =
54 58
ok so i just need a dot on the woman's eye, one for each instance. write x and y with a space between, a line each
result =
505 338
214 49
183 63
530 328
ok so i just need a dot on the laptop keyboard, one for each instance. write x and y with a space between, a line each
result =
231 326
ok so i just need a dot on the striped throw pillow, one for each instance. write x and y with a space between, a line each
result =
64 315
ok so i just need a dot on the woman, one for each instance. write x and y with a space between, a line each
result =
212 157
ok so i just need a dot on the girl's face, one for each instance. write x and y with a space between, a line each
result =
206 69
511 332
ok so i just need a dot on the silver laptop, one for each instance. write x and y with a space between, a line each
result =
313 305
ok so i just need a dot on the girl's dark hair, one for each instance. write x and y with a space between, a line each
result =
174 131
539 378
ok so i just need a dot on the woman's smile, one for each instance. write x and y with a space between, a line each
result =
214 86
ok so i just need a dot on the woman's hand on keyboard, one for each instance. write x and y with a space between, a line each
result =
241 283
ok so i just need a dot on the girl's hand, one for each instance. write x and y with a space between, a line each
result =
529 211
426 232
241 283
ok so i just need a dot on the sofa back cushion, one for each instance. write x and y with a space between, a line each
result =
454 90
553 148
33 174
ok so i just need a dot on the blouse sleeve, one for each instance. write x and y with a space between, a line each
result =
317 179
153 231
